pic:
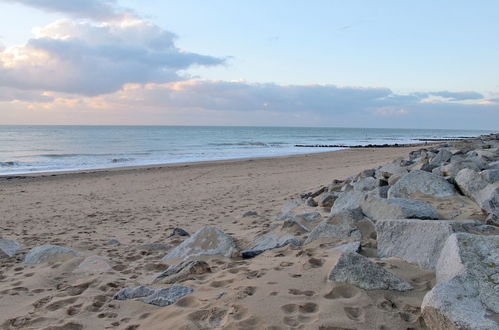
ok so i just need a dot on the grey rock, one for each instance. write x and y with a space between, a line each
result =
417 241
397 208
444 155
250 213
309 216
454 167
355 269
205 242
488 199
9 247
367 173
379 192
182 271
467 289
332 230
179 232
422 182
491 176
348 247
43 253
135 292
268 241
387 170
318 192
348 201
470 183
113 242
366 184
311 202
327 199
167 296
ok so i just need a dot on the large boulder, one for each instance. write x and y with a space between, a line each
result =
467 290
422 182
491 176
366 184
417 241
348 201
444 155
8 247
388 170
206 241
470 183
154 296
182 271
457 165
397 208
488 199
44 253
268 241
355 269
341 225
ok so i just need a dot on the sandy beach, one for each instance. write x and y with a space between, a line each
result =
84 210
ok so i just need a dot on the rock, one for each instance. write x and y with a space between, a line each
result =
467 289
488 199
205 242
135 292
355 269
397 208
348 247
368 173
348 201
294 226
366 184
93 264
327 200
311 202
387 170
318 192
417 241
423 182
309 216
325 229
156 246
454 167
394 178
491 176
113 242
182 271
444 155
47 252
268 241
153 296
167 296
179 232
470 183
250 213
379 192
8 247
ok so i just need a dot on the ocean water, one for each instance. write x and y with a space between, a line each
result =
28 149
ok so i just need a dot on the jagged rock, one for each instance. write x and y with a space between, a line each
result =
454 167
318 192
470 183
311 202
397 208
422 182
167 296
355 269
8 247
387 170
93 264
206 241
47 252
182 271
268 241
348 201
309 216
491 176
366 184
153 296
295 225
489 199
467 289
417 241
250 213
348 247
444 155
368 173
325 229
179 232
379 192
327 200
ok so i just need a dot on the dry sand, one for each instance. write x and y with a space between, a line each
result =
282 288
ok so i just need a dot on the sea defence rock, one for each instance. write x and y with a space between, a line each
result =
94 265
182 271
348 247
326 229
397 208
388 170
417 241
467 289
268 241
422 182
470 183
348 201
489 199
205 242
355 269
44 253
154 296
8 247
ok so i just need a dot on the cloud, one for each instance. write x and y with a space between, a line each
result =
93 59
458 96
99 10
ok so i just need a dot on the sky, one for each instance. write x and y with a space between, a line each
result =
400 64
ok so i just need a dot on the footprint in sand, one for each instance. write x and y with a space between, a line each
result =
289 308
342 292
353 313
60 304
296 292
308 308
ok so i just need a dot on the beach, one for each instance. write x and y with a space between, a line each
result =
85 210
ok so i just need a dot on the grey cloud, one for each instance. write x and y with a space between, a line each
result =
99 10
11 94
459 96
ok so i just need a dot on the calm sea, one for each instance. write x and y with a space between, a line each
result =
26 149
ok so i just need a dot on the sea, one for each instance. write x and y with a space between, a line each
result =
31 149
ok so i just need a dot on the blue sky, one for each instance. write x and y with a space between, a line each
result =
325 63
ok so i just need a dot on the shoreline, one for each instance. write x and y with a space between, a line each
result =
24 175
